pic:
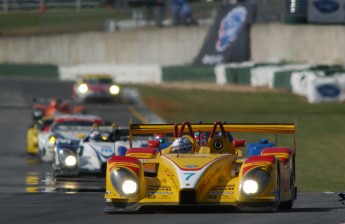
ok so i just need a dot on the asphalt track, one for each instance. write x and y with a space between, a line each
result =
29 193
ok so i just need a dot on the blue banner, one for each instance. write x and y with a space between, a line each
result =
228 38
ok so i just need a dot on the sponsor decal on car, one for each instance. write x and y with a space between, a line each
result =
191 166
107 152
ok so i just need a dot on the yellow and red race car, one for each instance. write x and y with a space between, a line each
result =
218 174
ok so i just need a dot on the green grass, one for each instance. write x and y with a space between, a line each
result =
21 23
320 161
89 19
29 70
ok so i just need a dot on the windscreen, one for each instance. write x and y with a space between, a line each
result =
99 81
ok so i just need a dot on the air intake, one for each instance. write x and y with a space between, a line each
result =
187 196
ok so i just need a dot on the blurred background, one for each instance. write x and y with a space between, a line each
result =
53 16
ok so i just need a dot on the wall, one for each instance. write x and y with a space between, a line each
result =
298 43
173 46
168 46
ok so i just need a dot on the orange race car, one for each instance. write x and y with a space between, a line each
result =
48 107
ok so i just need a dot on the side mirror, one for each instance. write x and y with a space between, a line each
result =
238 143
153 144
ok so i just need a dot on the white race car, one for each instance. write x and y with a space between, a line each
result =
68 128
99 146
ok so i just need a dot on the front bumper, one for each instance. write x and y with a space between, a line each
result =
124 207
65 172
99 96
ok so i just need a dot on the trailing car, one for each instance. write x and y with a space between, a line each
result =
96 88
96 148
41 126
72 128
186 174
89 156
49 107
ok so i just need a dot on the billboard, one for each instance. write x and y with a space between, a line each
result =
228 38
326 11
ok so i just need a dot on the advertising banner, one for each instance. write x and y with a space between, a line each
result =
228 38
326 11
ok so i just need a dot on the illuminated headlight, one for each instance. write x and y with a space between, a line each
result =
114 89
129 187
124 181
52 139
83 88
250 187
70 161
255 181
68 158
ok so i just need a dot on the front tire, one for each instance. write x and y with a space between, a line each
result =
293 189
278 203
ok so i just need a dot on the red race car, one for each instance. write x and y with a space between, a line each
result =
48 107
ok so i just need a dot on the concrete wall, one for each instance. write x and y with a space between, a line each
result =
298 43
175 45
168 46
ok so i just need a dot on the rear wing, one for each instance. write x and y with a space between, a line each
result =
179 129
251 128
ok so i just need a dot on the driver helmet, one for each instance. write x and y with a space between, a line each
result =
95 136
161 138
53 103
182 145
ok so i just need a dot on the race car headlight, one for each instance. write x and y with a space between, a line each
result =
124 182
52 139
70 161
250 186
83 88
255 181
129 187
67 157
114 89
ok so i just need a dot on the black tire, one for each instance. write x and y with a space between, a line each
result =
278 203
289 204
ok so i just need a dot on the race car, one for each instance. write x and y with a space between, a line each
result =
219 174
47 107
96 88
72 128
89 156
95 149
42 125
